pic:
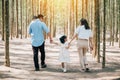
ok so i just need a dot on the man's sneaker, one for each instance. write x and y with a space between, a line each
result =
44 66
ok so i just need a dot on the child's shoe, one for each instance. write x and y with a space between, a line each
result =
64 70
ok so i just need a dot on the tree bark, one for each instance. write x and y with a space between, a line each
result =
97 24
21 18
104 36
17 23
113 23
7 59
119 23
3 19
26 19
12 17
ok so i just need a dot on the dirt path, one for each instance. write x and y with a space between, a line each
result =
22 64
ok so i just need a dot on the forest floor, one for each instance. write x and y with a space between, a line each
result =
21 58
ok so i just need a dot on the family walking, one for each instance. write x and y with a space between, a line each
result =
83 33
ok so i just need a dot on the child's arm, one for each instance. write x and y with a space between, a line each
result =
55 43
68 46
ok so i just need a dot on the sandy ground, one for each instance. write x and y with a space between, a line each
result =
21 58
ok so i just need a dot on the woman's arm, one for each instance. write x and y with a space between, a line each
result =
73 38
91 43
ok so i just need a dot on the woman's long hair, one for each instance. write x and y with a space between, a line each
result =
85 23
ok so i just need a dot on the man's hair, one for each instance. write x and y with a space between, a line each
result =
34 17
40 16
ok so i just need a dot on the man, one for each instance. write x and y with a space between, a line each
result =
36 29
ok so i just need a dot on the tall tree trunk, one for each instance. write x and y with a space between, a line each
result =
12 17
83 8
7 59
71 18
97 24
113 23
54 27
17 23
26 19
86 9
76 13
21 19
116 26
95 29
32 7
45 15
3 19
110 21
104 36
119 23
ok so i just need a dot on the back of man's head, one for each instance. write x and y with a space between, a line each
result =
40 16
34 17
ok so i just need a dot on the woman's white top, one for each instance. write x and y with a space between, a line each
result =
64 55
83 33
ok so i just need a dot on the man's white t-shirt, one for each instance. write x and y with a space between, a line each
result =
83 33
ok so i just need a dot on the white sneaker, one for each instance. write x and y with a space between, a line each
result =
64 70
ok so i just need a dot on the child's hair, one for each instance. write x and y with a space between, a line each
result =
62 39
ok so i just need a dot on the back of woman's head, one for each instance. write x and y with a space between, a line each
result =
85 23
62 39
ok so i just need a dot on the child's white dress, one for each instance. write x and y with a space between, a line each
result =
64 55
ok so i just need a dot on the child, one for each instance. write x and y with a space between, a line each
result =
64 56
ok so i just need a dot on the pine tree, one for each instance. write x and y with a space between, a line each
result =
3 19
7 60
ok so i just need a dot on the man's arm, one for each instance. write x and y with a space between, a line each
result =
49 35
45 28
29 29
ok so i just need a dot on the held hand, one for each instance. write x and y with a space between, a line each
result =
51 40
69 43
55 43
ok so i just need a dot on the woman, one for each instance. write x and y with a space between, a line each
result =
84 34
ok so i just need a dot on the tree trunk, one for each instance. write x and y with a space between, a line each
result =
95 30
76 13
83 8
97 24
119 23
12 18
116 18
26 19
3 19
7 60
21 19
32 8
104 36
17 23
113 23
110 21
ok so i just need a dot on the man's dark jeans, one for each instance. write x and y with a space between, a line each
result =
35 57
